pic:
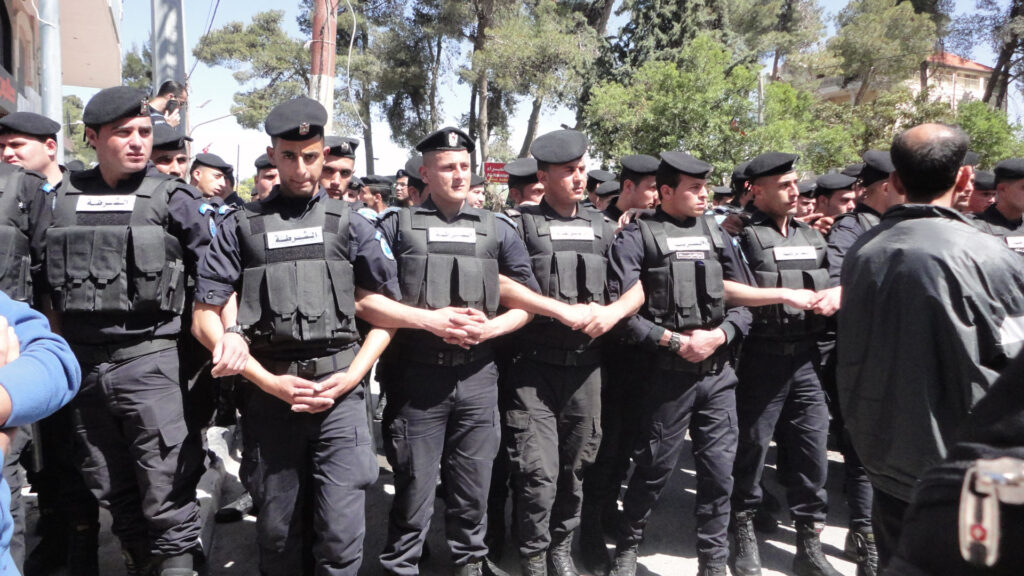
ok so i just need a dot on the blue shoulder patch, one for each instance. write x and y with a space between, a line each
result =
225 209
47 188
368 214
205 207
384 246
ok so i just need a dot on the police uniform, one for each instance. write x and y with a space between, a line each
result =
554 409
442 399
779 391
115 263
295 263
681 265
993 221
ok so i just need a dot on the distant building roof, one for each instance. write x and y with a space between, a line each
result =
954 61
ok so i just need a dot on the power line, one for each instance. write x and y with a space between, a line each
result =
209 26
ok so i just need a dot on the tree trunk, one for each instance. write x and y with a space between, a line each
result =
598 13
531 127
775 65
924 75
472 125
863 90
481 119
484 8
1000 78
435 72
364 112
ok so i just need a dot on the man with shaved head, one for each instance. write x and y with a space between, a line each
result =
932 309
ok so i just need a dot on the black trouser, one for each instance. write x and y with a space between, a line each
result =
129 421
706 406
887 518
440 417
779 393
16 481
555 429
308 475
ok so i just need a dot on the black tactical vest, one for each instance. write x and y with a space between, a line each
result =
866 220
1014 239
15 257
444 263
682 275
112 252
297 281
796 261
568 257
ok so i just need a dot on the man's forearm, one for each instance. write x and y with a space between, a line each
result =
515 295
207 324
629 303
384 312
738 294
508 322
372 347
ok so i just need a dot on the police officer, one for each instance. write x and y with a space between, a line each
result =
605 194
170 151
376 194
209 174
637 189
554 411
117 251
779 390
594 179
1004 218
442 407
266 177
984 193
417 190
339 165
680 258
523 187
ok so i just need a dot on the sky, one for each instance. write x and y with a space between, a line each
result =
211 89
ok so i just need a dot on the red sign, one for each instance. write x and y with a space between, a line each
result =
8 93
495 172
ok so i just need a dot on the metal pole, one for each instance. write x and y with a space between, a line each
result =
167 41
325 30
50 82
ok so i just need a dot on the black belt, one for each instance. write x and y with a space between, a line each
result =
781 347
99 353
310 368
560 357
452 357
668 360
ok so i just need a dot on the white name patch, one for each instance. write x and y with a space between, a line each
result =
691 255
571 233
463 235
106 203
688 243
300 237
794 253
1015 242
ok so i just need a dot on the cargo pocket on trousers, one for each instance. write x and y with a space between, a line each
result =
522 449
588 453
396 447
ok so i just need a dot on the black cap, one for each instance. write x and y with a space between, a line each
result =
447 138
521 171
971 158
686 164
112 104
739 173
477 180
341 146
213 161
167 137
355 183
806 188
828 183
770 164
597 177
412 168
75 166
984 180
301 118
29 124
720 191
1009 169
263 162
560 146
877 167
639 163
853 170
377 181
608 188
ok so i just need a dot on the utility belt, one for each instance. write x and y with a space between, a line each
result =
312 368
447 356
781 347
560 357
94 354
714 364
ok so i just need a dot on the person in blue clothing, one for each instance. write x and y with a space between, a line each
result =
38 375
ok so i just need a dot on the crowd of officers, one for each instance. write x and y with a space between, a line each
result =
535 353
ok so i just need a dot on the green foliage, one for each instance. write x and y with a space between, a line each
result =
993 137
244 188
661 29
75 147
776 27
137 68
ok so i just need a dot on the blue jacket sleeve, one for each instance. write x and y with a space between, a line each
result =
45 376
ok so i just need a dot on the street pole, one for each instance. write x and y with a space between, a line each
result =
50 81
167 39
325 30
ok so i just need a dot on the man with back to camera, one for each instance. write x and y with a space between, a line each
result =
906 386
1004 218
166 106
339 165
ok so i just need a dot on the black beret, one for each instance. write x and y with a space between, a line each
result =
477 180
1009 169
447 138
597 177
167 137
831 182
853 170
376 182
30 124
806 188
984 180
75 166
639 163
770 164
213 161
739 173
341 146
355 183
608 188
971 158
301 118
560 146
412 168
877 167
263 162
722 191
686 164
522 169
112 104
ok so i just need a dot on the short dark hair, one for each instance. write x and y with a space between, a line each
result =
929 168
665 176
543 166
635 177
172 87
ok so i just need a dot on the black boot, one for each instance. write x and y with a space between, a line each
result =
560 557
748 558
179 565
710 567
809 559
625 561
137 561
495 536
51 552
860 548
83 553
479 568
535 565
593 551
235 511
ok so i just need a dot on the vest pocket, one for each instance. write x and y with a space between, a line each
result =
565 264
657 286
412 273
542 264
281 280
56 240
343 283
250 300
593 276
471 282
110 286
817 279
8 250
155 277
684 284
439 280
492 293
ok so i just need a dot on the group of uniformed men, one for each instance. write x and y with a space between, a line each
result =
552 344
